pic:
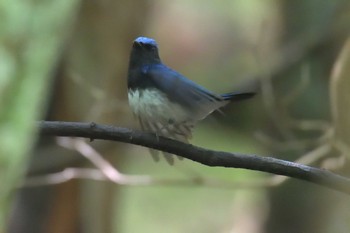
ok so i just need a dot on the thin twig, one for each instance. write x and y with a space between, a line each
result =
100 163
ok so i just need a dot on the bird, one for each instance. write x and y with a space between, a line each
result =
164 101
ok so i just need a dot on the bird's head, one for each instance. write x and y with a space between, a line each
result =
144 51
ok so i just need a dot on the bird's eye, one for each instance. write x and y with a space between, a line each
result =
137 45
149 46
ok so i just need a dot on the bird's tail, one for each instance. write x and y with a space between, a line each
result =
237 96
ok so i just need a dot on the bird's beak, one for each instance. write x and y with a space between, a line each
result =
137 44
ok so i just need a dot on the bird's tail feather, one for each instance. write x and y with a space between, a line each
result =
237 96
181 133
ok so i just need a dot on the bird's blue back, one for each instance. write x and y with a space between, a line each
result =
181 90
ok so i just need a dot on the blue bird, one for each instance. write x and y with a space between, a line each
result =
164 101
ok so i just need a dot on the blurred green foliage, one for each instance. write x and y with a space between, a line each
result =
31 36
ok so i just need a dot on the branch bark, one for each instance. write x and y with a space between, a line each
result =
198 154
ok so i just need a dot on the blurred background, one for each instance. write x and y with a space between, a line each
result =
289 47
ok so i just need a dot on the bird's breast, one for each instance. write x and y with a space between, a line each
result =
153 105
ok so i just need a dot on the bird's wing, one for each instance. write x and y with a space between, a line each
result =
199 101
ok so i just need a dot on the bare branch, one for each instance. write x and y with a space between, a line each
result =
197 154
100 163
105 171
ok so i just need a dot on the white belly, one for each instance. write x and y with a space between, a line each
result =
152 105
